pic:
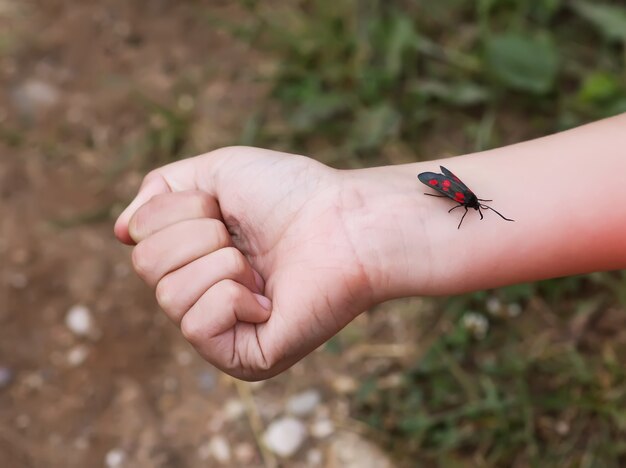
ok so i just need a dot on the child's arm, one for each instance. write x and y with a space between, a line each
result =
260 256
566 193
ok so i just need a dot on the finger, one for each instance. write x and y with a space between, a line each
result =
166 209
178 176
223 306
179 290
177 245
153 184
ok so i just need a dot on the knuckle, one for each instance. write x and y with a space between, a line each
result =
205 203
235 262
231 291
141 260
165 294
220 233
151 176
191 330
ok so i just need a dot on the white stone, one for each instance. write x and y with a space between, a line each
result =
79 320
115 458
233 409
513 310
245 453
304 403
322 428
344 384
285 436
476 324
184 358
348 450
220 449
6 377
494 306
33 97
77 355
314 458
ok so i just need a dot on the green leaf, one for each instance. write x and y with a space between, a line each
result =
524 63
460 94
401 37
610 20
599 87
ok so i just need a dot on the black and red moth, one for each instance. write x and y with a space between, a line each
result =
450 186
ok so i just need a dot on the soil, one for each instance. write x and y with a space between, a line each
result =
80 85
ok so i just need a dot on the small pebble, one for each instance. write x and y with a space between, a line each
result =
349 450
245 453
314 457
22 421
34 97
562 428
184 358
170 384
476 324
6 377
494 306
79 320
344 384
18 280
81 443
34 380
304 403
206 380
115 458
77 355
220 449
513 310
285 436
234 409
322 428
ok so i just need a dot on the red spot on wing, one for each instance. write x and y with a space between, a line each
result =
446 183
446 189
433 182
459 196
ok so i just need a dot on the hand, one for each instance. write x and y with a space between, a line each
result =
252 253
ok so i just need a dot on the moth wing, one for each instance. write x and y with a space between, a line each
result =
439 182
448 173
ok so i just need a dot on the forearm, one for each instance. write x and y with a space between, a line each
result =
565 193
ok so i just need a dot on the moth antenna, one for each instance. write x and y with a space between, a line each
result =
480 199
485 207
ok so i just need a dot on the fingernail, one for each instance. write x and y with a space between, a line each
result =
264 301
259 280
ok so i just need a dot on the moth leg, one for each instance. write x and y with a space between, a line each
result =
454 208
481 214
438 196
462 217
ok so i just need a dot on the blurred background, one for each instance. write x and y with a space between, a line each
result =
95 93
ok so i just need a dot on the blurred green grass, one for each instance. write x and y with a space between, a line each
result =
529 375
355 77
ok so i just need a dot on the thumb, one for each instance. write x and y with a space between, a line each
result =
153 184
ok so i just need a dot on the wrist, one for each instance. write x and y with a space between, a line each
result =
384 219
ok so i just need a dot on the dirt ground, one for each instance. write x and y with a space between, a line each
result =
126 390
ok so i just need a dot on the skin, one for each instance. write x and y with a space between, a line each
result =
259 257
